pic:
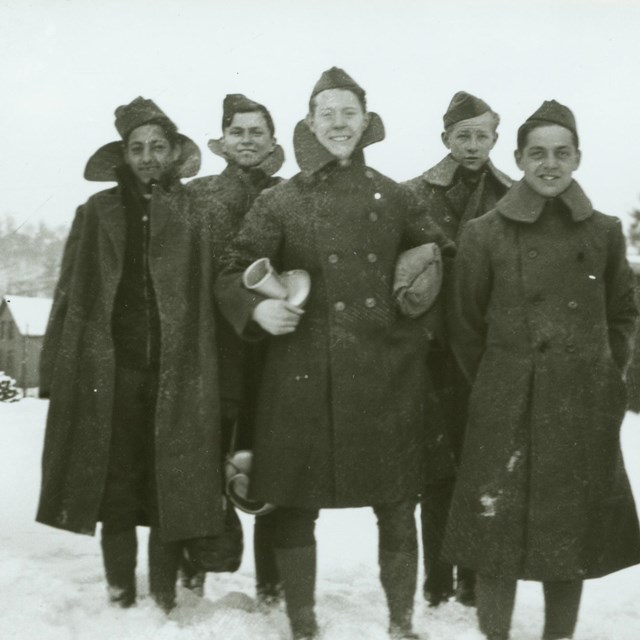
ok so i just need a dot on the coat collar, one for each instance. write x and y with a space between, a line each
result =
523 204
269 166
103 164
312 156
443 173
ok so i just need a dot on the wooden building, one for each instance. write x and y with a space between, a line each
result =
22 326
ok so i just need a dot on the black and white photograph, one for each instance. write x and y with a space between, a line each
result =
319 320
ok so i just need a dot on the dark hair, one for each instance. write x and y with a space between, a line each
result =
168 128
526 128
227 119
361 98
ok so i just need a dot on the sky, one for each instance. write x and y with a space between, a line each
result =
65 65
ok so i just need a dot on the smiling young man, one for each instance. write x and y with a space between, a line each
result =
341 409
129 361
462 186
542 322
249 147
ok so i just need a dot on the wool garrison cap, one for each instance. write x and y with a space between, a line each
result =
462 107
336 78
238 103
553 112
138 112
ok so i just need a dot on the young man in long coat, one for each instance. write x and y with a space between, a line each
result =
543 317
249 147
341 410
462 186
129 361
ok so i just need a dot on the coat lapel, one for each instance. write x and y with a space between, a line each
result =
112 221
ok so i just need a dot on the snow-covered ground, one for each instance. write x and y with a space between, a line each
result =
52 585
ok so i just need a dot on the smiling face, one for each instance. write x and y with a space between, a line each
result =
470 141
149 153
338 121
548 159
247 141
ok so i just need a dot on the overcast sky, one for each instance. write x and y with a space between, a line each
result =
65 65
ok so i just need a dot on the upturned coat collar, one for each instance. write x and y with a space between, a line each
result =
522 204
312 156
443 173
269 166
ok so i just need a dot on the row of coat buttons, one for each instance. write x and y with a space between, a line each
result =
333 258
341 306
538 298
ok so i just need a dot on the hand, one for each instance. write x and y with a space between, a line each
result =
277 317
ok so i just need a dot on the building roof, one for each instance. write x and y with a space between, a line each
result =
30 314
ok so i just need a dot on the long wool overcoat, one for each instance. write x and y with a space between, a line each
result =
342 416
78 367
542 320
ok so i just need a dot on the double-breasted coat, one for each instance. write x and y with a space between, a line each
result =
342 416
542 320
78 367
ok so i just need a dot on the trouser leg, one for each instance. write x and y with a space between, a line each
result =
466 586
268 585
119 552
561 604
295 551
164 558
398 560
495 600
434 509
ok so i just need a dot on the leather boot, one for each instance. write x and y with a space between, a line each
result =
119 551
398 575
297 568
191 578
164 559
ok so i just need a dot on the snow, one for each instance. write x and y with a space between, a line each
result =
53 588
30 314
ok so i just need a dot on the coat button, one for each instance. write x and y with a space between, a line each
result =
570 347
572 304
369 174
370 303
339 306
373 216
372 257
333 258
377 195
533 253
447 218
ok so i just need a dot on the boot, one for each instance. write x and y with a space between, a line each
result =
466 587
269 590
164 558
297 566
438 587
191 578
398 575
119 551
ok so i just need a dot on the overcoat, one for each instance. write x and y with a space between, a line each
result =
451 202
542 321
78 367
342 416
226 198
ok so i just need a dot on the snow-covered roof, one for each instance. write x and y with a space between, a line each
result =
29 314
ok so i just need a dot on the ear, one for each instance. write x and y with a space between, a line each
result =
517 154
578 158
495 139
274 142
310 123
444 136
367 119
176 151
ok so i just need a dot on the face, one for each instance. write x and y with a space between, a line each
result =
548 160
470 141
149 153
247 141
338 121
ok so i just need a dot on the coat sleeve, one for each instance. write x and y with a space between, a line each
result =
468 300
60 304
622 313
260 236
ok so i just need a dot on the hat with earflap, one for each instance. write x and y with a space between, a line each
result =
463 106
102 165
